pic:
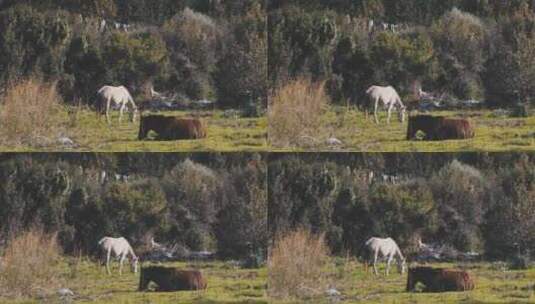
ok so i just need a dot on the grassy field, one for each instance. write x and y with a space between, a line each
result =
91 284
493 285
91 134
360 134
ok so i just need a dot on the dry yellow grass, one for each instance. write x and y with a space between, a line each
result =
29 113
299 266
29 265
295 112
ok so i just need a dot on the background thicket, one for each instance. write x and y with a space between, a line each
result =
204 202
471 202
198 49
467 49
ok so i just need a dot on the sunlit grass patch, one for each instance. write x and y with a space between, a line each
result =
91 133
359 132
91 284
493 285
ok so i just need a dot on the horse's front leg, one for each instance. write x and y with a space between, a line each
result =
375 264
121 112
388 265
389 113
121 264
375 111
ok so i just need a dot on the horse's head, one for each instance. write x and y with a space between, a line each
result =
401 113
402 265
135 262
134 114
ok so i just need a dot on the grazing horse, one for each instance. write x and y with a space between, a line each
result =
389 98
171 127
388 249
439 127
119 96
121 249
171 279
439 279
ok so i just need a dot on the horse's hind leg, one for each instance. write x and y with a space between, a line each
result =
375 264
375 111
108 263
108 101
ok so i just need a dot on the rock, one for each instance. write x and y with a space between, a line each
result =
65 141
65 292
332 141
332 292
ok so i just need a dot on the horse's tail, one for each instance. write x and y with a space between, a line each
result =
370 89
102 240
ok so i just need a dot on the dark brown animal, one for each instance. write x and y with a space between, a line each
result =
439 128
171 127
439 279
171 279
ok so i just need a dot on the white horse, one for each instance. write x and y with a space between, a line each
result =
388 249
121 249
120 97
390 99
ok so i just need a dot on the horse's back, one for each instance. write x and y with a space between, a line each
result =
387 93
117 244
118 93
385 245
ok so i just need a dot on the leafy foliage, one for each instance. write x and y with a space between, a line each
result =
468 49
473 202
181 47
85 197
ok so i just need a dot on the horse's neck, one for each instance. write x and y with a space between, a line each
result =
398 254
399 105
131 251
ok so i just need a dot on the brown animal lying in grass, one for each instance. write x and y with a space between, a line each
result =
171 127
439 279
439 128
171 279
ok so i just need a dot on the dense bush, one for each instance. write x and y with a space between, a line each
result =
32 42
198 49
174 199
468 49
470 202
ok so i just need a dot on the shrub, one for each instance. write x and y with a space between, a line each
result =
520 262
30 112
461 39
298 265
137 58
295 112
460 193
29 265
241 74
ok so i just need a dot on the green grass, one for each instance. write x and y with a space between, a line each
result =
93 134
493 285
361 134
91 284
